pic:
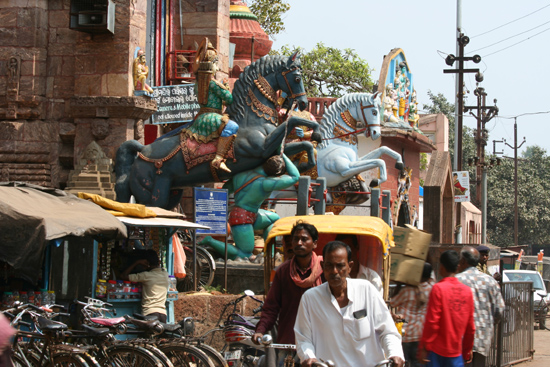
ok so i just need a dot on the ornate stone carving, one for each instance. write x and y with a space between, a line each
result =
93 173
139 130
100 129
137 107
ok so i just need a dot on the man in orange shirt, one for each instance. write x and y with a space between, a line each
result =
448 335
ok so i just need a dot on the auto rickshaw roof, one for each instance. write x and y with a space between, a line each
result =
341 224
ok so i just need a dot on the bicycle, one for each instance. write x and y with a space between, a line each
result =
206 266
45 340
169 351
97 335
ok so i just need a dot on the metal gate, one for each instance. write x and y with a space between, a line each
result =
513 338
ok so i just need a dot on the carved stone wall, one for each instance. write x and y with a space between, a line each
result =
204 18
43 66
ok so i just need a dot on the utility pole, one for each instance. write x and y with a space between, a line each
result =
515 147
484 114
462 41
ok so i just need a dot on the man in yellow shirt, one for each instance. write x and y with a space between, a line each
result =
154 282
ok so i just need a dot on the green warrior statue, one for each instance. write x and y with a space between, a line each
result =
209 123
250 189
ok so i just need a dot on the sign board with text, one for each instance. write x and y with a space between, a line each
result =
211 210
461 186
176 103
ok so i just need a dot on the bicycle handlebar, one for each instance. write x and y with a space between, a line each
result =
386 363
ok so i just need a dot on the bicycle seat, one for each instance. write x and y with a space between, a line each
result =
170 327
93 331
147 325
49 325
108 321
145 317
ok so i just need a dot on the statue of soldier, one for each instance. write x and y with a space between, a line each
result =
209 123
250 189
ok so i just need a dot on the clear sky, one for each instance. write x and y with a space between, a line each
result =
426 31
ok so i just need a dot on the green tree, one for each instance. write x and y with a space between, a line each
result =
533 200
331 72
270 14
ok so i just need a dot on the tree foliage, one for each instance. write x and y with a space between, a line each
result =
270 14
331 72
533 200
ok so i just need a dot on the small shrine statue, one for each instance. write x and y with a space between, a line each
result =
389 104
141 71
413 111
209 123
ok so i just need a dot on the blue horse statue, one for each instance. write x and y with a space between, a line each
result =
155 174
337 156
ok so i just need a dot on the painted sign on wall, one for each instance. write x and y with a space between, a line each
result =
461 186
176 103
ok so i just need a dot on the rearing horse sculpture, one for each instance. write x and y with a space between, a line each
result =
337 158
337 154
156 178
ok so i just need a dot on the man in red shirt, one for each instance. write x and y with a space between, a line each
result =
291 280
448 335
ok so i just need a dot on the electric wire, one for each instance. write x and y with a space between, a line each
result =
506 39
515 20
525 114
517 43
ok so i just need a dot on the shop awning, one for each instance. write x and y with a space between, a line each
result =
160 222
31 215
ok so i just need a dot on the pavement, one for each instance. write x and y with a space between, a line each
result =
542 352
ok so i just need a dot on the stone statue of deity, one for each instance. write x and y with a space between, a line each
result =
413 111
210 123
141 71
403 90
397 102
389 104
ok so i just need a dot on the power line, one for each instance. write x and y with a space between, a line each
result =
517 43
525 114
506 39
515 20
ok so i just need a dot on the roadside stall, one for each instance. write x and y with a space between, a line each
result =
374 239
113 257
60 248
33 222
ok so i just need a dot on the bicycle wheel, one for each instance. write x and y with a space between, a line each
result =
24 357
18 361
215 356
185 355
68 360
129 356
161 356
90 360
206 267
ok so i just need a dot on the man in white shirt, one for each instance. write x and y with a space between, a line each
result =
345 320
358 270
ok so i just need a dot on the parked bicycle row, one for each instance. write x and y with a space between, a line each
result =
42 340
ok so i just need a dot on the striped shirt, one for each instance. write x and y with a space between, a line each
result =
406 303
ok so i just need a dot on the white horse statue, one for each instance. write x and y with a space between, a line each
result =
337 158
